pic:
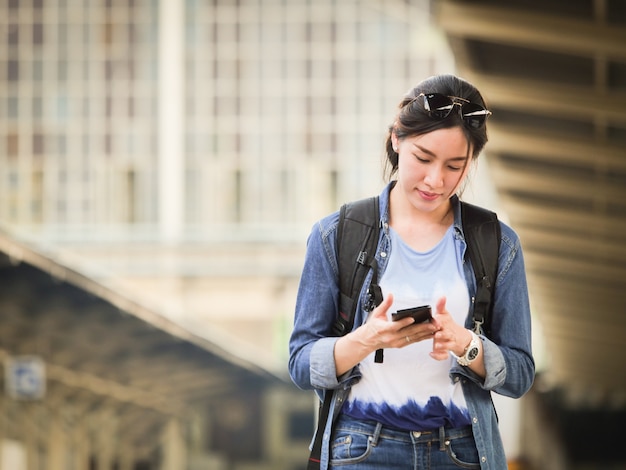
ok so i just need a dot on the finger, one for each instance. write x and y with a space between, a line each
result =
420 330
439 356
381 311
441 305
439 351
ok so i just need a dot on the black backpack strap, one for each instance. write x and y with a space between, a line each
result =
357 239
322 419
482 235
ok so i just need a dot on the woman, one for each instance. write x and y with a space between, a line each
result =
428 404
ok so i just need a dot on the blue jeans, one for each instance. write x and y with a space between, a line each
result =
368 445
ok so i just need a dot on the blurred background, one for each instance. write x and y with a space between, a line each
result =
162 163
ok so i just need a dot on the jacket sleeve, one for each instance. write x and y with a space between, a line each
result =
311 346
508 349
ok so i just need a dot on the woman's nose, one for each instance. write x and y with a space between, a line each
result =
434 177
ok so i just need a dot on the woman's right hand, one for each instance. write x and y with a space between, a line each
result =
378 333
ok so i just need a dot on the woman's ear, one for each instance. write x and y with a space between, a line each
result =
394 141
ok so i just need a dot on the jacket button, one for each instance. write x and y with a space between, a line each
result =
383 254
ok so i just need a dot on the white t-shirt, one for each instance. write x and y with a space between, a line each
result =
410 390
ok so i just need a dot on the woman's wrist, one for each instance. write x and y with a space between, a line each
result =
464 343
350 350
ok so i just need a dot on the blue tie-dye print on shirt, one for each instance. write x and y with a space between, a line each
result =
410 390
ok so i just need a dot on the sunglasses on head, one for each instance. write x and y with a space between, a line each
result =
440 106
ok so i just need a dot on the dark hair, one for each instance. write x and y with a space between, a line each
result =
412 119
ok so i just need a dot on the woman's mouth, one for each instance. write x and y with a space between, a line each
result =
428 195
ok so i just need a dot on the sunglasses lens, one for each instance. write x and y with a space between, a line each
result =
439 106
474 115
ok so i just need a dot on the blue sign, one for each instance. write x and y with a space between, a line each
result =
25 377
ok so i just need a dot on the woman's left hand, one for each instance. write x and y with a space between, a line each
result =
450 336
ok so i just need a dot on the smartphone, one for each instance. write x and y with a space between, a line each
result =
419 314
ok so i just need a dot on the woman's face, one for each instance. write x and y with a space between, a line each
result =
432 166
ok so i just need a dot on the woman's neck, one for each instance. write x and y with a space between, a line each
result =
419 229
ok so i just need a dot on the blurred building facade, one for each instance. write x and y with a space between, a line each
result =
177 153
128 126
273 112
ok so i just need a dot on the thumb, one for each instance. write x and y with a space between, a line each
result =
441 305
381 310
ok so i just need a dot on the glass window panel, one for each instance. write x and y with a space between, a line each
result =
62 33
12 144
13 107
85 144
38 70
108 144
85 107
62 107
13 36
13 70
37 107
14 179
62 70
38 143
62 145
51 144
38 34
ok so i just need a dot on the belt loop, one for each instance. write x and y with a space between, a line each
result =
442 438
376 436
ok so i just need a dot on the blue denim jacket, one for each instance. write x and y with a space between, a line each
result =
507 352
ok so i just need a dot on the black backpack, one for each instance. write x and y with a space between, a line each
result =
357 239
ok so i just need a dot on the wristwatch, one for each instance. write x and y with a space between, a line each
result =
471 351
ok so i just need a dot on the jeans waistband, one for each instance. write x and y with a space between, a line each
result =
377 429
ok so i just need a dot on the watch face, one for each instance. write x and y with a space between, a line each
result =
472 353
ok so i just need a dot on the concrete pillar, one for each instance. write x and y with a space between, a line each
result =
2 430
57 444
31 438
171 132
79 436
126 458
105 438
173 445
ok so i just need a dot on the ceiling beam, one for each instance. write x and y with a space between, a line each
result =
594 272
522 27
592 224
600 248
546 285
552 98
562 150
573 320
551 183
101 387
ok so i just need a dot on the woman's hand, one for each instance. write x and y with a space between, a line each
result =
378 333
452 337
